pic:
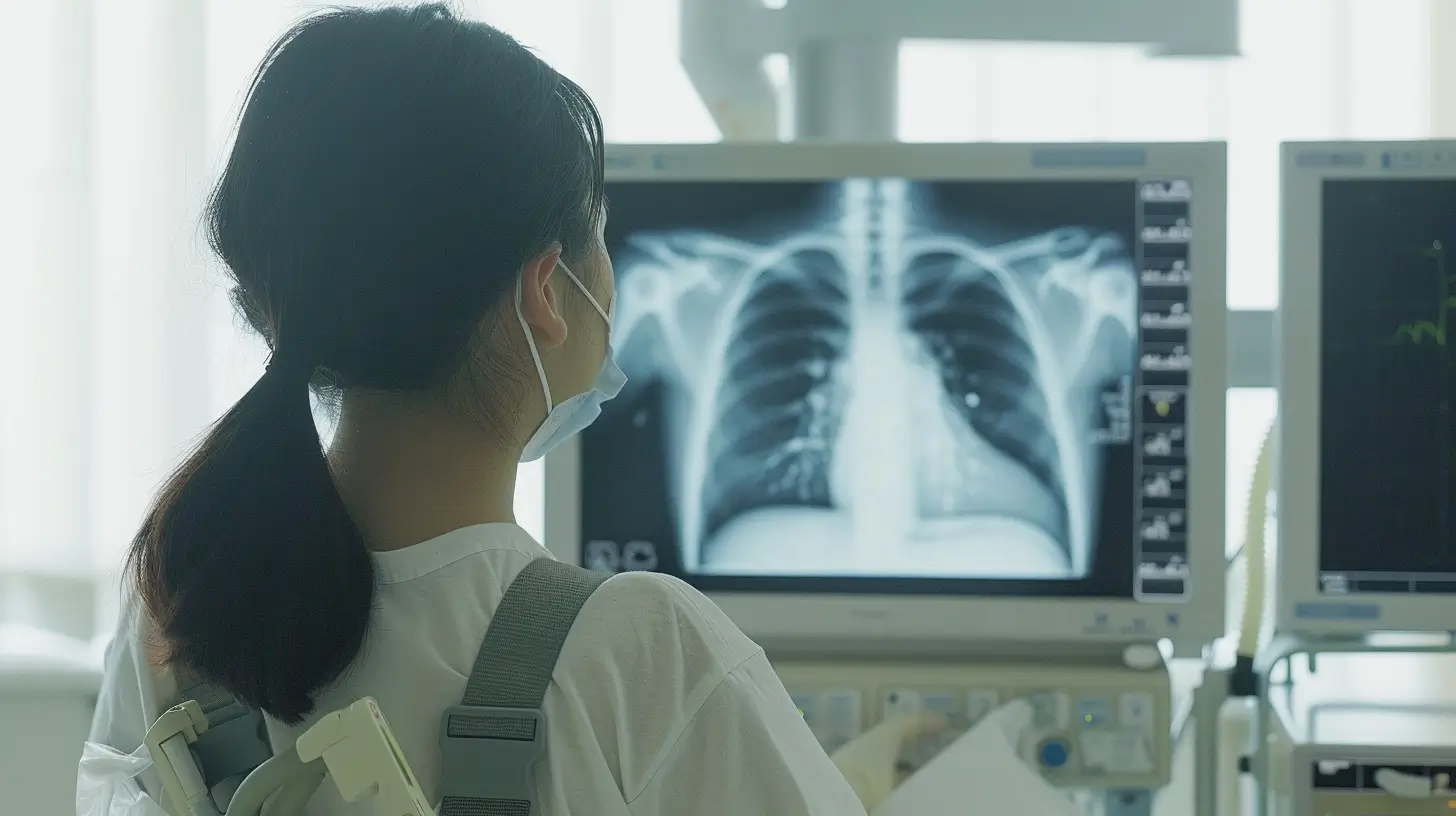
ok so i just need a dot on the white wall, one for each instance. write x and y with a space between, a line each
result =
45 713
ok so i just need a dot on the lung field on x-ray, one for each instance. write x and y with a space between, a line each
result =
904 378
779 403
977 344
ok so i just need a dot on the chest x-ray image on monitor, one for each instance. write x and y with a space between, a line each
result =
877 376
873 376
1368 536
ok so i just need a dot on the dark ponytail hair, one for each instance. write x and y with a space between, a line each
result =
393 170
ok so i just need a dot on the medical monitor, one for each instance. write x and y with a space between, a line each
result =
1367 436
915 392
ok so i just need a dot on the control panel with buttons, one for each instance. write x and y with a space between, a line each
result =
1093 725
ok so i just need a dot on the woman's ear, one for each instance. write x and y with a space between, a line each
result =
540 305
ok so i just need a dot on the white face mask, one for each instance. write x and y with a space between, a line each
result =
570 416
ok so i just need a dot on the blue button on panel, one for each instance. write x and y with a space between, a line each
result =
1054 753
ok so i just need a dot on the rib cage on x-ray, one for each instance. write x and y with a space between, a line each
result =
973 332
778 407
879 307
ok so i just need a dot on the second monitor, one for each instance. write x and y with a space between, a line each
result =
911 379
1366 439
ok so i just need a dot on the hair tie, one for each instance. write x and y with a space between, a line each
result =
289 367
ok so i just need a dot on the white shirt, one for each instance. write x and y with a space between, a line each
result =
658 704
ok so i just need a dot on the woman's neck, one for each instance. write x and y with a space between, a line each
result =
409 470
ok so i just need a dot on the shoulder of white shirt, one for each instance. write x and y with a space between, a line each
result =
644 601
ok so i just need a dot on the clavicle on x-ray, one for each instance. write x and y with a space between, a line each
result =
891 389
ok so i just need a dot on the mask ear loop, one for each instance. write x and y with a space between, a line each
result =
531 340
531 344
585 291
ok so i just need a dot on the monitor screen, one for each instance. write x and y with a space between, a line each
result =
1388 383
898 386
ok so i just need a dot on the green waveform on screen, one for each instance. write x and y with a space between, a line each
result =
1436 330
1416 332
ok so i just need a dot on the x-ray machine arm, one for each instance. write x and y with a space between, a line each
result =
843 54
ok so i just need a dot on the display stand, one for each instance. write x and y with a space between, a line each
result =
1208 701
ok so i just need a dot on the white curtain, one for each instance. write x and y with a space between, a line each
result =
116 343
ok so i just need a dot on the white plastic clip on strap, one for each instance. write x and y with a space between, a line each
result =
226 741
363 759
354 746
491 741
283 783
170 742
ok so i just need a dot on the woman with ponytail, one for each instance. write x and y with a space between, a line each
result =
412 212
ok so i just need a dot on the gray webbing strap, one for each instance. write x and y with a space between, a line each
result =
491 741
235 742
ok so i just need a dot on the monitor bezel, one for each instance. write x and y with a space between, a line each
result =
1304 168
812 620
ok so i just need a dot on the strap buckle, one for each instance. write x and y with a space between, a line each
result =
487 753
168 741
